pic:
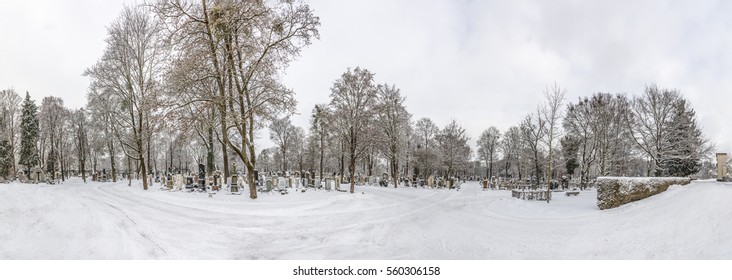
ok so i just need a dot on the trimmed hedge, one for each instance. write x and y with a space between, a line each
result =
615 191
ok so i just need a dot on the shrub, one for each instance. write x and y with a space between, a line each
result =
615 191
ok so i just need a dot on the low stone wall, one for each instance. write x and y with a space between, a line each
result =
615 191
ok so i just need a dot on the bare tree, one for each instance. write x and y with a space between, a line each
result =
101 128
510 148
551 112
66 143
610 132
533 128
649 121
299 148
598 125
353 97
129 70
249 44
392 121
318 127
10 102
570 148
453 147
193 32
191 95
579 124
282 133
266 159
488 146
52 116
81 142
425 156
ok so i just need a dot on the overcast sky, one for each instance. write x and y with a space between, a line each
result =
481 63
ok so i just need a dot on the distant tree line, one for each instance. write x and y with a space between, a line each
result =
654 134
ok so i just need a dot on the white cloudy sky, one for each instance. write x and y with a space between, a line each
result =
482 63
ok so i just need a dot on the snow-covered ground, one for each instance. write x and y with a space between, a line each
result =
112 221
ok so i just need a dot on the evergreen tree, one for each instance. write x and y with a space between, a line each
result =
570 148
29 133
684 143
5 159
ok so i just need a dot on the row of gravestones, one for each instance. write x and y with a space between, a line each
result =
179 182
37 175
100 177
297 180
384 180
430 182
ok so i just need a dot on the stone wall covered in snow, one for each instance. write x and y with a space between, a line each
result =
615 191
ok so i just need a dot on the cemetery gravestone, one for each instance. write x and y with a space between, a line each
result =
234 185
269 184
328 183
169 182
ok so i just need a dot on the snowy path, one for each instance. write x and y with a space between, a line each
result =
113 221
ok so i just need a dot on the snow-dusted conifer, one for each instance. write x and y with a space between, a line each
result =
5 159
684 143
29 133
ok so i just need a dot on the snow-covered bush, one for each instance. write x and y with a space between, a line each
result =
615 191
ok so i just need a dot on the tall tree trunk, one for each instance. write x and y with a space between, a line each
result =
129 171
490 168
394 172
170 148
371 166
518 167
536 168
406 163
300 162
112 160
12 153
94 162
221 87
352 170
148 152
342 165
549 172
210 152
322 151
141 152
64 163
83 169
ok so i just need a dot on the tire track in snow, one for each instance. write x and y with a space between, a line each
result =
230 220
205 216
135 227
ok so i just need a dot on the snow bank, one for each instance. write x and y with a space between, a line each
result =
615 191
